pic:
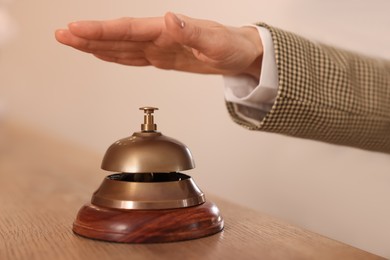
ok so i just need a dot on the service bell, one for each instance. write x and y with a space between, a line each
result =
148 199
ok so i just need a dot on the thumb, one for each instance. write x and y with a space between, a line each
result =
197 34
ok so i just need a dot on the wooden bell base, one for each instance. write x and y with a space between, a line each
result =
148 226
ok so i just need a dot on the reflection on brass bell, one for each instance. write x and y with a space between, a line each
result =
148 199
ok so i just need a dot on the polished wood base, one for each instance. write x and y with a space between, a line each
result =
148 226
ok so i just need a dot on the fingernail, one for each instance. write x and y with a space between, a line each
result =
62 32
73 25
179 21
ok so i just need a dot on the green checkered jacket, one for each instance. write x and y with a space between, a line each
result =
327 94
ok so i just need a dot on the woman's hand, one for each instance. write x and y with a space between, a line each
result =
173 42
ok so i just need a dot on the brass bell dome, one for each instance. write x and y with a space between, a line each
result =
147 151
147 166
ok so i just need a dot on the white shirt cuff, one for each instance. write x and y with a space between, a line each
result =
244 90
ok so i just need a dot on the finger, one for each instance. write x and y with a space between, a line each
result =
64 36
92 46
128 29
121 55
133 62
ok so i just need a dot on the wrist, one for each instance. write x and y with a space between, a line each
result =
255 53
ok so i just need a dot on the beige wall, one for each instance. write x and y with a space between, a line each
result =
339 192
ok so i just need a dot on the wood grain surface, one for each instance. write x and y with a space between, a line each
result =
148 226
44 182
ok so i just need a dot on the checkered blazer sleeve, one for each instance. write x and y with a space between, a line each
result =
327 94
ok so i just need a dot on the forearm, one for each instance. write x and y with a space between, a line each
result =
327 94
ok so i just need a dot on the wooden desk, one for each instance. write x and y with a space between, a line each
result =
44 182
